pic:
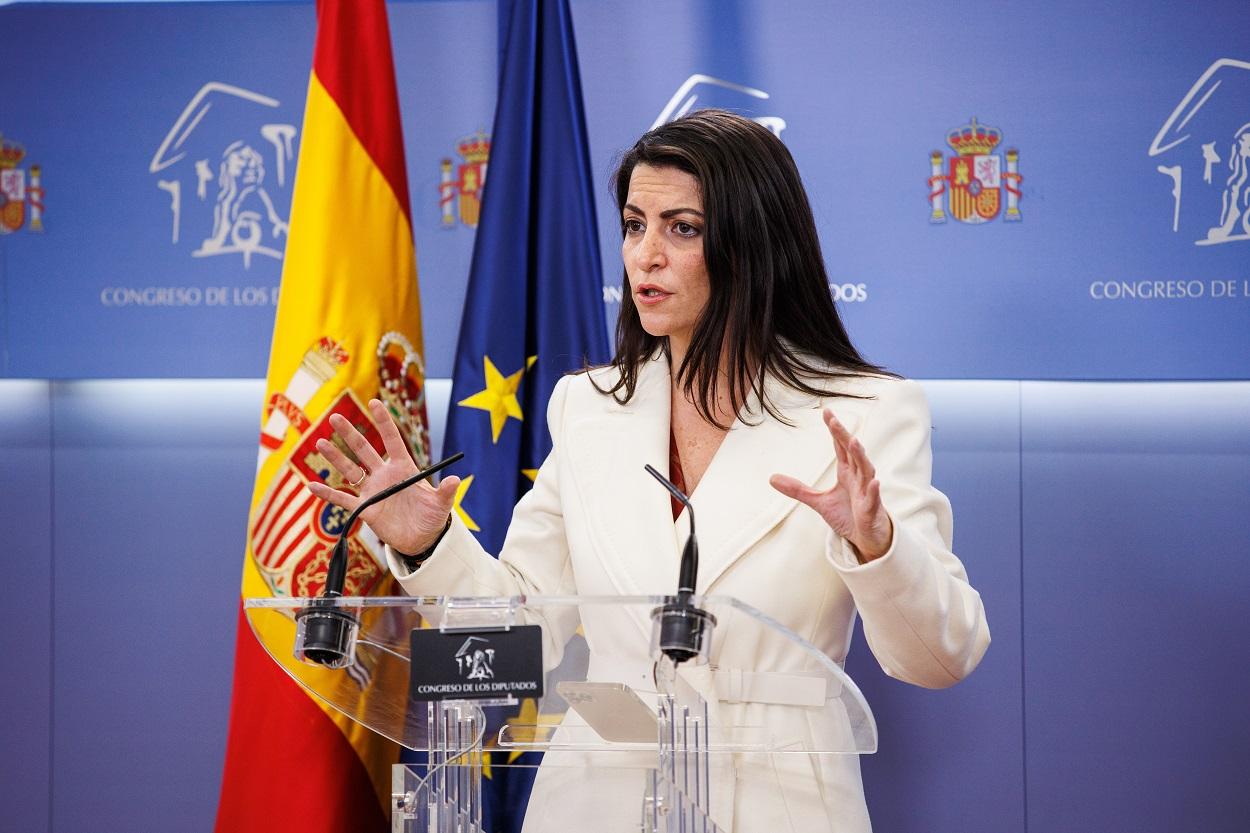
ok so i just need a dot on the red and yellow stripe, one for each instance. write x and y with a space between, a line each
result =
350 275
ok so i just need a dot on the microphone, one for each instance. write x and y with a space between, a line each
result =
326 634
690 553
683 632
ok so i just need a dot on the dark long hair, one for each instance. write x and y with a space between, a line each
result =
770 311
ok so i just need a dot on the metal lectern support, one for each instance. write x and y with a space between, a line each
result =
449 798
679 790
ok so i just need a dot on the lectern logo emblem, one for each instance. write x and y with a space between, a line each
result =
979 181
475 659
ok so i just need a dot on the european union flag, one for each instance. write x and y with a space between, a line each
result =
534 307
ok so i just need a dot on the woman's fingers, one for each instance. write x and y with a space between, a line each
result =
865 465
865 471
831 422
851 455
873 499
841 448
852 506
365 453
831 505
447 491
394 443
340 499
341 462
836 428
793 488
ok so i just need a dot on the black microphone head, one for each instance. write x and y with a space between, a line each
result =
681 631
689 571
336 572
325 634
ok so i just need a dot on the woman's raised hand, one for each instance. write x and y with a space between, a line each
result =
409 521
852 507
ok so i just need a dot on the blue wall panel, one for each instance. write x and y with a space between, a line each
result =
26 518
1136 524
953 760
1134 501
152 487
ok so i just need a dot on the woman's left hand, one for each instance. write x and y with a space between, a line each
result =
852 507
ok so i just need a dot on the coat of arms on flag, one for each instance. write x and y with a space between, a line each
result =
18 193
975 177
292 532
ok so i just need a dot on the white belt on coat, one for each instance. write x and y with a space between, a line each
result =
736 685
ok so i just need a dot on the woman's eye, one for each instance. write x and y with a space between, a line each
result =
632 226
685 229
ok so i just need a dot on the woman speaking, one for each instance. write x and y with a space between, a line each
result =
734 375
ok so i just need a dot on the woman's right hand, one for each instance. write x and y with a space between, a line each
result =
410 521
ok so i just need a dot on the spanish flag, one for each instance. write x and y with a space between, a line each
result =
348 329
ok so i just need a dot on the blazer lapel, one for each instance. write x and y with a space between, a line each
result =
628 513
734 504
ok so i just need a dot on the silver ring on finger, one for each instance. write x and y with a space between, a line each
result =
363 475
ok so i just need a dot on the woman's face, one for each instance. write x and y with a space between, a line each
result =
663 252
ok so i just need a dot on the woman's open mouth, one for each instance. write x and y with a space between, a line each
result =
650 294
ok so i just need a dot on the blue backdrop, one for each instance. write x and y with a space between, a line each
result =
1104 520
1130 123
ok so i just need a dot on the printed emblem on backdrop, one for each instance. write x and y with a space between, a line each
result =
1207 141
21 190
707 91
460 199
292 532
227 165
976 179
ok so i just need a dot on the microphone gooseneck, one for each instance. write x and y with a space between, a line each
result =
683 631
336 573
689 570
326 633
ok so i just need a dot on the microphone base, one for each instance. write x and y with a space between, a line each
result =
325 635
681 632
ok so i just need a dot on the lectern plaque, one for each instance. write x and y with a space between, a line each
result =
469 664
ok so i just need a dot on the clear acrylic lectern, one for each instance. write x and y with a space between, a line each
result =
628 740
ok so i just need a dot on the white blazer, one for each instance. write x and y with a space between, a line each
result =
595 523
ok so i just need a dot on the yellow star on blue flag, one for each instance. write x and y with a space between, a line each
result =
498 398
457 503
